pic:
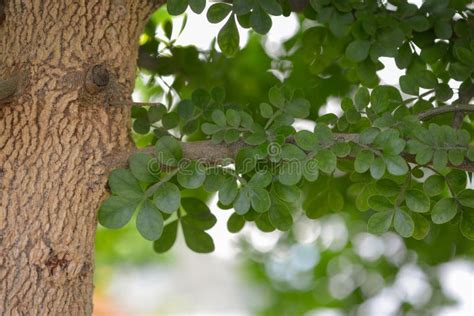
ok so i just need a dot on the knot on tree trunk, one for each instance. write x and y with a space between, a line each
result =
97 79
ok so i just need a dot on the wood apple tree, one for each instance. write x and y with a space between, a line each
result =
66 116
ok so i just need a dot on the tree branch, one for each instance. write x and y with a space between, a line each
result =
215 154
204 150
463 108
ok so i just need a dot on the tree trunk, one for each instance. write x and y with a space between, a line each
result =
56 137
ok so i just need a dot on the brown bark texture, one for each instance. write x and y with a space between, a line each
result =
56 137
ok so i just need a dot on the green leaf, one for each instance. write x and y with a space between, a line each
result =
380 203
387 187
470 154
198 214
176 7
443 29
266 110
456 180
311 170
377 168
361 98
422 226
390 141
434 185
444 211
385 98
197 239
363 161
185 109
235 223
256 138
409 84
456 156
290 152
261 179
260 199
233 118
369 135
260 21
280 217
380 222
396 165
316 205
417 201
298 108
209 129
426 79
192 176
167 239
231 135
197 5
219 118
149 221
242 7
467 223
358 50
440 159
144 167
271 7
403 223
341 149
340 23
276 97
167 197
290 172
228 37
123 183
288 193
327 160
155 113
228 191
242 202
141 125
466 198
263 222
245 160
168 151
324 134
117 211
306 140
459 72
419 23
404 56
335 200
464 55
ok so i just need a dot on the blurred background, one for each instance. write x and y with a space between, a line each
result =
324 267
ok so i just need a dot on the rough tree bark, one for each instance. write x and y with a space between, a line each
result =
56 138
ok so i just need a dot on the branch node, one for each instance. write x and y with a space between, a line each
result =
97 79
11 87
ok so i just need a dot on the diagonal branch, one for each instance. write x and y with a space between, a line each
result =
459 108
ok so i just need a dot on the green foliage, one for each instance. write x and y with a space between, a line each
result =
403 161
